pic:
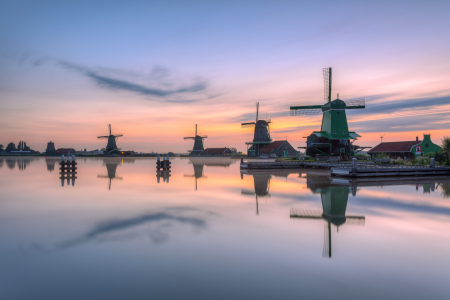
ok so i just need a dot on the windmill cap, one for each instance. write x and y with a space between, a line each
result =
335 104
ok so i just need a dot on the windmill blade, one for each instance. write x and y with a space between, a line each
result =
204 137
249 124
305 213
257 110
247 192
268 121
118 135
190 138
355 104
306 110
109 129
327 84
103 136
355 220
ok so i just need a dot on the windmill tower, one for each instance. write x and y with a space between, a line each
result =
333 137
198 143
111 147
261 136
334 204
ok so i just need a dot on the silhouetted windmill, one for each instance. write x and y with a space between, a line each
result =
198 143
262 187
381 137
111 146
261 135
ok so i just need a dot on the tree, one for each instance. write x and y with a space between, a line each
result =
11 147
1 147
446 148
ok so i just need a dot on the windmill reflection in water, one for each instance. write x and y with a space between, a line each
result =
334 205
111 167
199 163
262 186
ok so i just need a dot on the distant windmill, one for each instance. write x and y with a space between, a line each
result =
261 134
111 146
381 137
198 143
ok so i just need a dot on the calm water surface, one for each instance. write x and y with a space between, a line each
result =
210 232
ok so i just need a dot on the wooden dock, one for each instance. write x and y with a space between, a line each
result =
353 168
381 171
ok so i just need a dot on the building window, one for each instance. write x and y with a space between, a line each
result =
426 145
344 132
334 131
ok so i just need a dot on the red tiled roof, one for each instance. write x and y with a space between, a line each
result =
394 147
64 150
214 150
267 148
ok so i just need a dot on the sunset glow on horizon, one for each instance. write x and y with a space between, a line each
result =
155 69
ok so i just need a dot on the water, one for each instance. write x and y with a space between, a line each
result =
211 233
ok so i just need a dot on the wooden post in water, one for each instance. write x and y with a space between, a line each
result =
242 159
354 165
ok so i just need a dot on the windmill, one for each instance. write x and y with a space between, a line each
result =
334 204
198 143
111 147
262 186
261 136
381 137
334 137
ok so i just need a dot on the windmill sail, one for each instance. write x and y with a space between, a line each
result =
355 104
327 84
309 110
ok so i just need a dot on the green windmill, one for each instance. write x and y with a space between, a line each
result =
334 138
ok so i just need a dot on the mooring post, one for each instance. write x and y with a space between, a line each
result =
432 163
164 163
62 159
242 159
158 163
354 166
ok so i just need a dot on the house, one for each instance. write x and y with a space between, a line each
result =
216 151
65 151
277 149
406 149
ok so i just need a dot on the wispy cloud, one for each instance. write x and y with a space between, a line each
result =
119 84
158 84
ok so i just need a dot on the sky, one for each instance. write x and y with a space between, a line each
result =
154 69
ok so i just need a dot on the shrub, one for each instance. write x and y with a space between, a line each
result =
382 155
422 161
